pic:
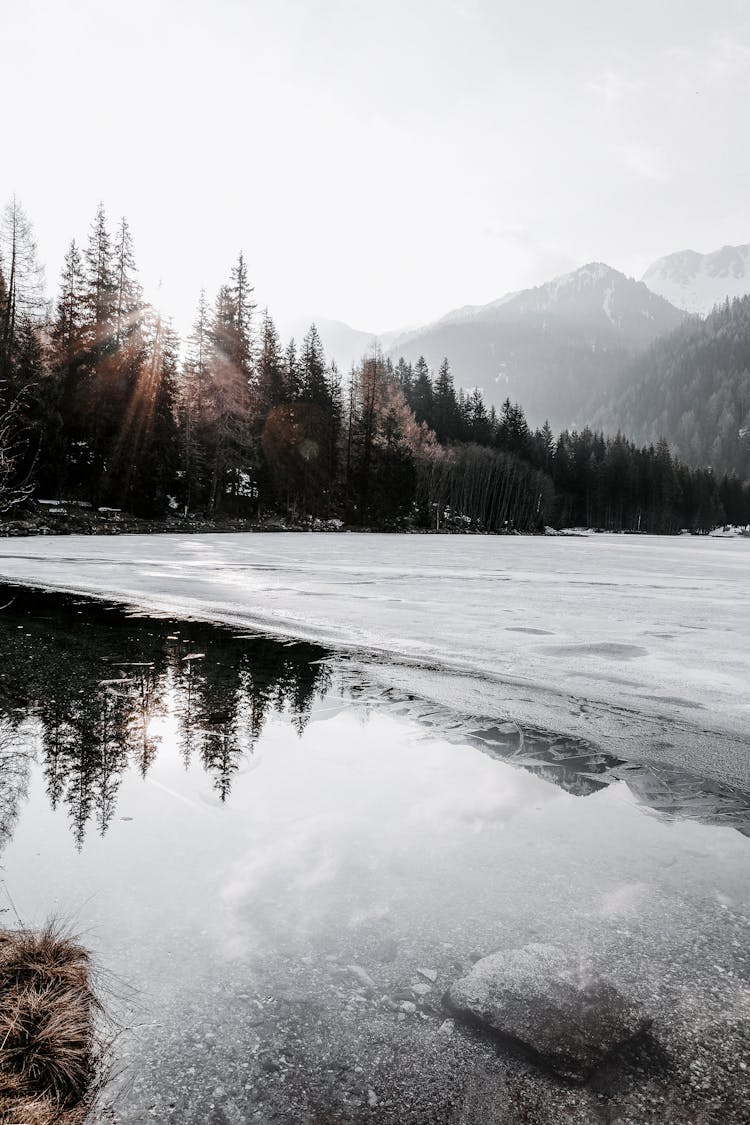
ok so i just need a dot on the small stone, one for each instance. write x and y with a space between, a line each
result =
372 1098
387 950
447 1027
428 974
421 989
362 975
408 1006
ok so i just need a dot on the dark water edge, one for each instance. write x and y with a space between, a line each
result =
263 971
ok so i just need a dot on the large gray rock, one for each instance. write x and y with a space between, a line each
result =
542 999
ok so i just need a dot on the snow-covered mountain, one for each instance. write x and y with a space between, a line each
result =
593 294
551 348
697 282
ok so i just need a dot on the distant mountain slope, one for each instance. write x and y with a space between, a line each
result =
697 282
343 344
692 387
553 348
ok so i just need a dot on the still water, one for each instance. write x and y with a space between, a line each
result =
280 870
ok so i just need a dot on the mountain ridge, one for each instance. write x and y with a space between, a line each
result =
698 282
553 347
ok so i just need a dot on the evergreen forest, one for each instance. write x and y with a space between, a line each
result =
101 403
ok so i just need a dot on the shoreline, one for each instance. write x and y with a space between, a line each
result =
646 673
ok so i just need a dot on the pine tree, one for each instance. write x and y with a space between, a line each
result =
404 376
234 321
445 414
234 451
291 372
69 323
270 389
421 395
313 374
513 435
128 295
479 423
101 287
154 439
194 399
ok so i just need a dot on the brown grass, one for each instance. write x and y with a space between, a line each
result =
50 1052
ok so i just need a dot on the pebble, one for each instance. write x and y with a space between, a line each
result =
362 975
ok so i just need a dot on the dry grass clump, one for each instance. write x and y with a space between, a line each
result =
50 1054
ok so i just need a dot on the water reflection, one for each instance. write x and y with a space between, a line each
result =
289 908
583 770
96 683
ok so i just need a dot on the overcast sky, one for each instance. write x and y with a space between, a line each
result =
379 162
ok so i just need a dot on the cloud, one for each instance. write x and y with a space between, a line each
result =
613 88
645 163
534 260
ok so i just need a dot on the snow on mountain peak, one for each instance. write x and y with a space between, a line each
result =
696 282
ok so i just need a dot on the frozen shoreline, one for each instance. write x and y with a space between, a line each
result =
639 644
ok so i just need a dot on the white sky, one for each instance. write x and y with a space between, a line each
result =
379 162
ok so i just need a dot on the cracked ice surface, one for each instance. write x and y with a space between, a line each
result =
639 643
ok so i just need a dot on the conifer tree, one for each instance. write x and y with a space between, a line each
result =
234 449
194 399
70 317
291 372
445 415
154 440
270 389
421 394
100 284
128 297
313 374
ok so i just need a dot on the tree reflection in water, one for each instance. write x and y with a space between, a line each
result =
90 680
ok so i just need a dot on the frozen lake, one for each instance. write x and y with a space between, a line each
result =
280 863
638 644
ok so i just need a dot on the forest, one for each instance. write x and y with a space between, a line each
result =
693 387
102 403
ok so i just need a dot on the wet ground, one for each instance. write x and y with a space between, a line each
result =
281 866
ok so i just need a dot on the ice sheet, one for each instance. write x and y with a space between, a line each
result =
638 643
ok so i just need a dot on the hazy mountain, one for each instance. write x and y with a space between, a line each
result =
343 344
692 387
553 348
698 282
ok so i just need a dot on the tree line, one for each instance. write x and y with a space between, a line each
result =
103 403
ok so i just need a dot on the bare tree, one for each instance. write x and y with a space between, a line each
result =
23 277
12 491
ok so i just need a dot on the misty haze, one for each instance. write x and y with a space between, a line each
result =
375 563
